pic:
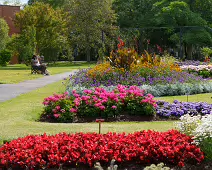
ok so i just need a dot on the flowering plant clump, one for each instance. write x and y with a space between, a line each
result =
123 58
191 62
70 150
144 76
203 70
178 109
102 103
99 102
200 128
57 108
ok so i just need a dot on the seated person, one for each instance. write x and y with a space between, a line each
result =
36 64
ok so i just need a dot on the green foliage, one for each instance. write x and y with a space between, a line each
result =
53 3
44 27
4 30
173 14
59 110
124 58
206 51
134 107
23 45
205 146
5 56
87 20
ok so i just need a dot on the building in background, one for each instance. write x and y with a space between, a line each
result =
8 13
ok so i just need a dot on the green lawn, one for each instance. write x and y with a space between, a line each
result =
190 98
19 115
20 72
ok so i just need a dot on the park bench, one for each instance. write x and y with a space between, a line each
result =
35 70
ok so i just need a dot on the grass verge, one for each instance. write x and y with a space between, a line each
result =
19 115
20 72
205 97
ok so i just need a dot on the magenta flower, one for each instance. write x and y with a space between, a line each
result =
73 110
114 107
102 107
57 107
56 115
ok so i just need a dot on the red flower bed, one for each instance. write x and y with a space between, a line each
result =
36 152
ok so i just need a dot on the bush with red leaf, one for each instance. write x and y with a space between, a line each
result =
70 150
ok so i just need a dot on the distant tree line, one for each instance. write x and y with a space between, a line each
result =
88 29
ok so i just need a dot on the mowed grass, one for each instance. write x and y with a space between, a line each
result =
207 97
20 72
19 115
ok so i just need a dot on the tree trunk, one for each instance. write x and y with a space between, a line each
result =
189 51
88 54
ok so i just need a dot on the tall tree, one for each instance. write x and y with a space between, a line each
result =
4 30
134 13
24 45
88 18
179 14
48 24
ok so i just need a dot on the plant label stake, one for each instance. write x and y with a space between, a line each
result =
100 122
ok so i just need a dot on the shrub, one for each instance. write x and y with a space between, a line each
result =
123 58
5 56
145 147
100 103
57 108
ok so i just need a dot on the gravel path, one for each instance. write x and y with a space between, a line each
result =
9 91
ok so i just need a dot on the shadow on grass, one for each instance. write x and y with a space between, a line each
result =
57 64
16 67
70 64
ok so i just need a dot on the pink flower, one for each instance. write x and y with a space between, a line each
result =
84 98
88 91
56 115
102 107
97 104
76 95
73 110
57 107
66 93
114 107
54 110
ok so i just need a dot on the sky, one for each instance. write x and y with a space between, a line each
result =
21 1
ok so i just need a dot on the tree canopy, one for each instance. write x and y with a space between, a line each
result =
87 20
4 30
47 25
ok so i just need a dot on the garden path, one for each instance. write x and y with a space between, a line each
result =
9 91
